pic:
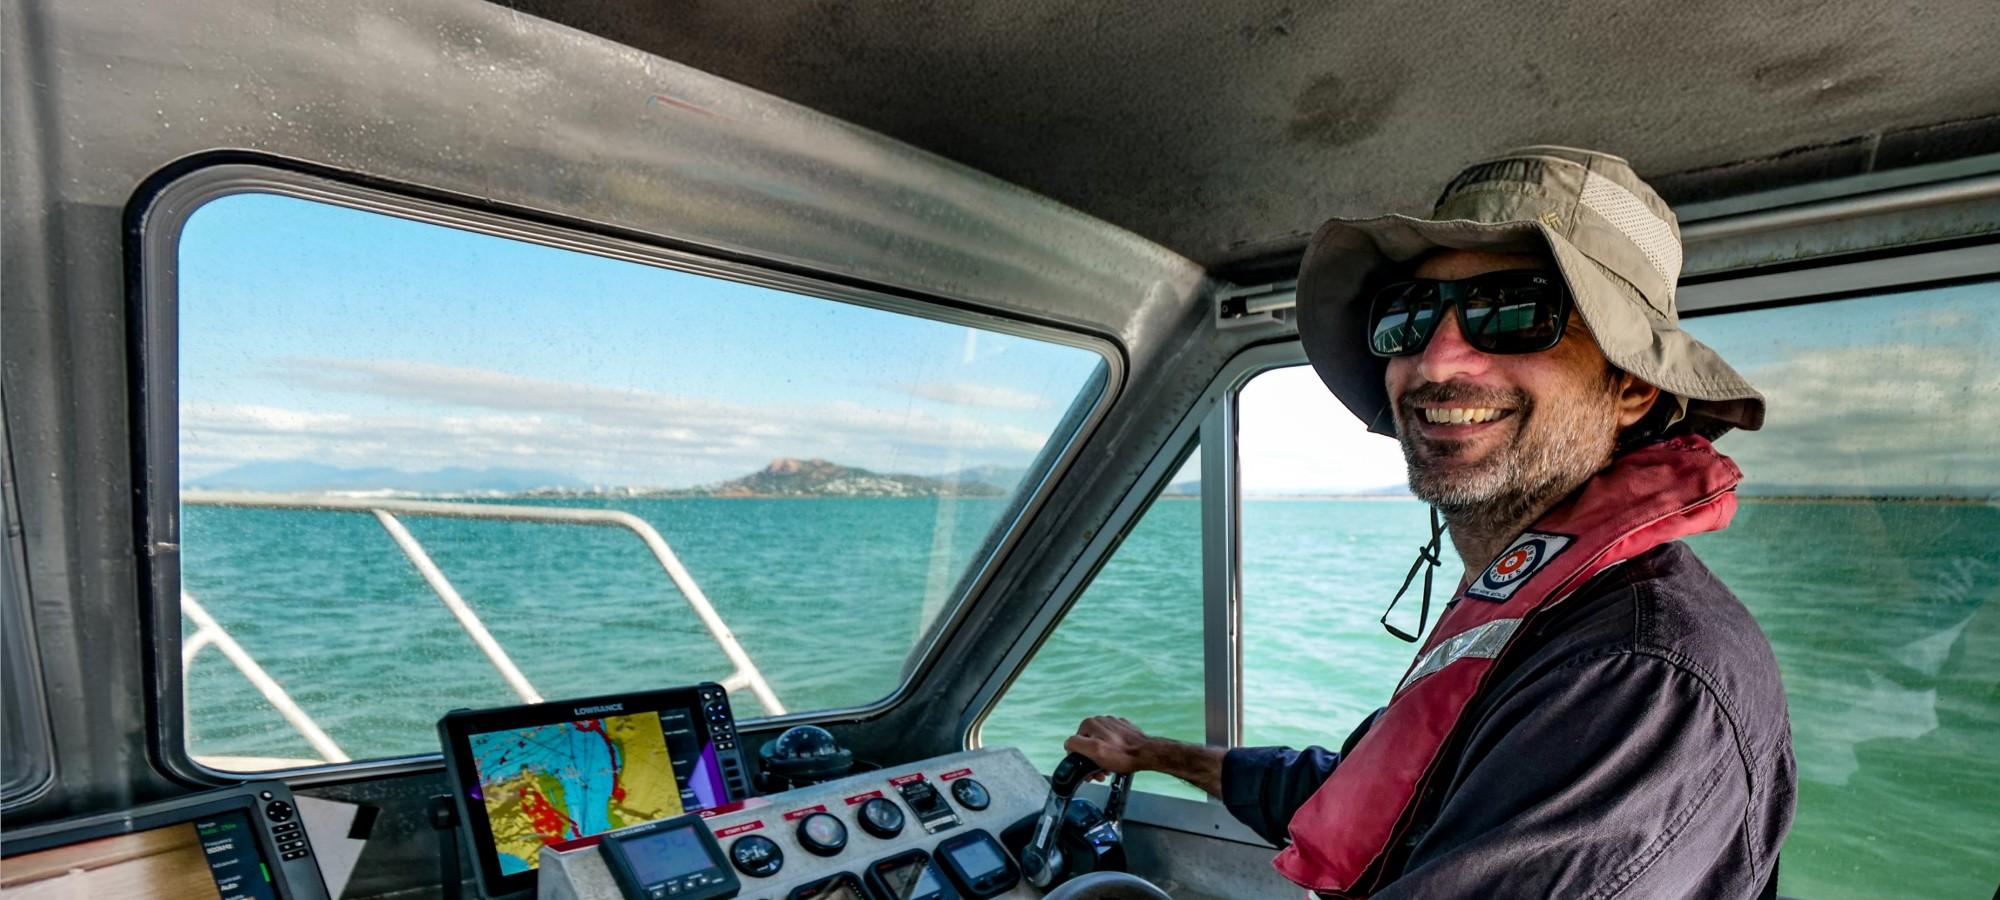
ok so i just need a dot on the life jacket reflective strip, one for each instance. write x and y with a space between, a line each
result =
1342 836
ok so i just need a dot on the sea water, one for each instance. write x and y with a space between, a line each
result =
1881 615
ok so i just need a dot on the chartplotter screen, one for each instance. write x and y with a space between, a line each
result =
553 774
547 784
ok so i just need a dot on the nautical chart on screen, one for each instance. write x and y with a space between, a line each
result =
562 781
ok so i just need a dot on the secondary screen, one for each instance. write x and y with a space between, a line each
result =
667 855
979 859
212 858
546 784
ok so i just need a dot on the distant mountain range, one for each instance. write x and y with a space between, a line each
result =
819 478
782 478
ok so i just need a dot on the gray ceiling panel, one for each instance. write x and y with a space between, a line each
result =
1227 130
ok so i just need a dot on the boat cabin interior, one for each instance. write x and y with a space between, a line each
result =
628 449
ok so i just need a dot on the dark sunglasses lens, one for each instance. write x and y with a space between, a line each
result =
1402 317
1514 313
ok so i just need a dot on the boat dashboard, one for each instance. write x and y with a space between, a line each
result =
930 829
640 796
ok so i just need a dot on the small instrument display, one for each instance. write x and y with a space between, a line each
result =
977 864
675 857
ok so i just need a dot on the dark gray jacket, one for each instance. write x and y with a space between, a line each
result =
1635 745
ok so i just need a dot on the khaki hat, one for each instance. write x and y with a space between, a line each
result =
1616 242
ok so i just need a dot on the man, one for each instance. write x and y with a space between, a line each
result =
1595 714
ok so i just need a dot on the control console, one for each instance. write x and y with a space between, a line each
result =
921 831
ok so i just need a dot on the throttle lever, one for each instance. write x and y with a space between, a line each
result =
1041 860
1114 805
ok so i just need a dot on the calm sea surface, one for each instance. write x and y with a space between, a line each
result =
1882 615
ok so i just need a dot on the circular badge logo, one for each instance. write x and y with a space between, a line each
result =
1517 563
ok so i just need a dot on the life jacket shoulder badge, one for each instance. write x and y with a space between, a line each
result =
1529 552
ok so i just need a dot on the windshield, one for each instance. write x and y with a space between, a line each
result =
425 468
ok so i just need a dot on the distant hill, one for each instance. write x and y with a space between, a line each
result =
290 476
819 478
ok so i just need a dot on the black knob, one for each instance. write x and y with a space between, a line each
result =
757 856
882 818
278 811
971 794
822 834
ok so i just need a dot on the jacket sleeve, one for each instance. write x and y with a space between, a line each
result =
1615 775
1264 786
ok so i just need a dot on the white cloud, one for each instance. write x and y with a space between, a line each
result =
612 435
966 394
1879 418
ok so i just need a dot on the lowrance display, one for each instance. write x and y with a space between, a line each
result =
677 858
556 774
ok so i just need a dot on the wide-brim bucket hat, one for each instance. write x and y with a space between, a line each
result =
1616 243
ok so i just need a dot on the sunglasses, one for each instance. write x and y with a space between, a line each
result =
1513 311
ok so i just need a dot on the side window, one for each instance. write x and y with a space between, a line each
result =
1329 530
1130 646
1867 544
423 467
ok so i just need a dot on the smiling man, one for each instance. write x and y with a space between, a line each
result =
1595 714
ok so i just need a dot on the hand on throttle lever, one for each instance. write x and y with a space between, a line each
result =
1121 748
1112 742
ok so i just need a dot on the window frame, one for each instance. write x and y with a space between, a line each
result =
1215 417
156 217
34 775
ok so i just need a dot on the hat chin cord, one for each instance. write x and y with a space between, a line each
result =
1427 560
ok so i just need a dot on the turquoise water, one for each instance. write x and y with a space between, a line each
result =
1882 616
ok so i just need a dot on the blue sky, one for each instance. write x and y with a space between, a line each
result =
315 332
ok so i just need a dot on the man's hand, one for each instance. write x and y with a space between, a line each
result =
1119 746
1112 742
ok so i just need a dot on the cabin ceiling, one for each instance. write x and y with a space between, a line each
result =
1227 130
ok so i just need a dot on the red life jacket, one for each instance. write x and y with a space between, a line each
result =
1342 836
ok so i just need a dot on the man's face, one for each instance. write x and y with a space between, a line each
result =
1479 428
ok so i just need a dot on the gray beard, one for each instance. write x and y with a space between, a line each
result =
1552 451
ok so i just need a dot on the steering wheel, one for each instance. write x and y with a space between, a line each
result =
1107 886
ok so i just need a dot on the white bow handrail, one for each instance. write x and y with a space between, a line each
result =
209 632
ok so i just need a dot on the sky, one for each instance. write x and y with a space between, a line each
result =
311 332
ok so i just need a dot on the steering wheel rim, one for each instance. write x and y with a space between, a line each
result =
1107 886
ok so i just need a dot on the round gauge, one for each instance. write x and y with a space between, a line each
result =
757 856
882 818
822 834
970 794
